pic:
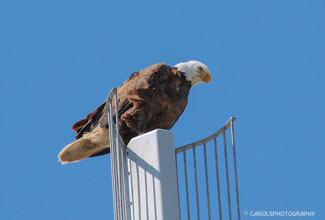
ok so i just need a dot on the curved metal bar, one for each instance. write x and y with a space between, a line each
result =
205 140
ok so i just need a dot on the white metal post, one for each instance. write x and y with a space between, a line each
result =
152 177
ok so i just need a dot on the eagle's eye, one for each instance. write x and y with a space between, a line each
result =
200 68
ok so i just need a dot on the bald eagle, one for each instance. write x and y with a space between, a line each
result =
151 98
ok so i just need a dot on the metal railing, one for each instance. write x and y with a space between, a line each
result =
205 160
118 161
205 172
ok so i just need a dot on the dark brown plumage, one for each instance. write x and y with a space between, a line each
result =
152 98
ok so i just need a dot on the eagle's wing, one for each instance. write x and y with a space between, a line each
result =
152 98
98 118
92 118
130 93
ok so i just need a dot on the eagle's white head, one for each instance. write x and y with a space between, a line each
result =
195 71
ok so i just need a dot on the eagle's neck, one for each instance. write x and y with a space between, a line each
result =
190 73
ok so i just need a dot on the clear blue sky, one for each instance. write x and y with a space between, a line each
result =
59 59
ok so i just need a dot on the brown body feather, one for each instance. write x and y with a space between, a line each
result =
152 98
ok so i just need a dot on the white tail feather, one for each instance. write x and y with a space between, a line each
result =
90 144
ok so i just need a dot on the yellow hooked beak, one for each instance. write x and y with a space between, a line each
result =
205 76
